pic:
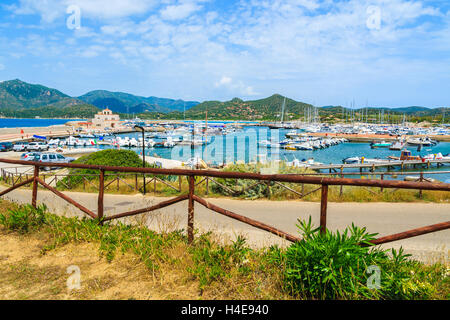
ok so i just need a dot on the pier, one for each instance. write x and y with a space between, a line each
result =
382 164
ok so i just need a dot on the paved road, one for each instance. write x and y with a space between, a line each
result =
382 218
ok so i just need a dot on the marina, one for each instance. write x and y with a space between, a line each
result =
218 144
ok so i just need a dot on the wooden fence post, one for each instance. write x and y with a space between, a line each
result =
323 209
190 228
101 192
421 180
35 187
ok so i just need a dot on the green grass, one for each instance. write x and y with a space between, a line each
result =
321 266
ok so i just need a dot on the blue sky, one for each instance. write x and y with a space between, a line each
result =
326 52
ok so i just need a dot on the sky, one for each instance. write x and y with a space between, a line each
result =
390 53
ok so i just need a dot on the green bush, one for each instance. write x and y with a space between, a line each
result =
213 262
110 157
336 266
24 218
247 188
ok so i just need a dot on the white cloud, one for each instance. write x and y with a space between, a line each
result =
224 81
92 51
235 87
295 47
181 11
50 10
2 67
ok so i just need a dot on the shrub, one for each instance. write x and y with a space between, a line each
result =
247 188
336 266
23 218
213 262
109 157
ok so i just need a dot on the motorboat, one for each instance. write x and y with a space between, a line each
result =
422 141
382 144
351 160
268 144
397 145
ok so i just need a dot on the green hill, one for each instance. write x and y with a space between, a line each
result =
21 99
85 111
237 109
128 103
16 94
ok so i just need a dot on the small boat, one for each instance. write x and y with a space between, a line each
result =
268 144
382 144
159 145
405 155
417 178
422 141
397 145
351 160
436 156
290 147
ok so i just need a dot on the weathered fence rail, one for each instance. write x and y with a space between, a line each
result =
191 197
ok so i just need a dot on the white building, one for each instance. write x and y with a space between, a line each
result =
106 119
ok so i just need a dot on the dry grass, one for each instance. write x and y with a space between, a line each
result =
119 261
33 266
28 274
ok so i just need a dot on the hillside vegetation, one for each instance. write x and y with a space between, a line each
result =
84 111
128 103
16 94
21 99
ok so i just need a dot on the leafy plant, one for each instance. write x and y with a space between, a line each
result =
213 262
24 218
335 266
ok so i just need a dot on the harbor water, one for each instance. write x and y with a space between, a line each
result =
243 146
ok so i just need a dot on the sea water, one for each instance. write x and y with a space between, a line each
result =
27 123
242 146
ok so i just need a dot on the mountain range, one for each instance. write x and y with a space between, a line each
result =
17 95
21 99
128 103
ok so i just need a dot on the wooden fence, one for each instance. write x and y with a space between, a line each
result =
35 179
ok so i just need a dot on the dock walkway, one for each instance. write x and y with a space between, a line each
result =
384 164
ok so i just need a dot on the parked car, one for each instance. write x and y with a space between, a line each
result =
6 146
20 146
37 146
30 156
53 158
